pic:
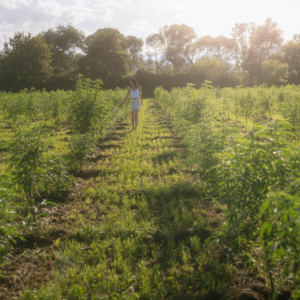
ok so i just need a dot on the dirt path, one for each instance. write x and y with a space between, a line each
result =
132 228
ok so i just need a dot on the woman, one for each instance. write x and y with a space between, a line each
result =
135 103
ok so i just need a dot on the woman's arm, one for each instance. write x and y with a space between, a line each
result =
140 93
128 93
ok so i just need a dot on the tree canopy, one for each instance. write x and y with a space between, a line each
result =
65 42
25 62
105 56
254 54
291 52
134 48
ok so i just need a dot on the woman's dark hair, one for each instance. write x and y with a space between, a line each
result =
134 81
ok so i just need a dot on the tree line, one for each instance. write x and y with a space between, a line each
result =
253 55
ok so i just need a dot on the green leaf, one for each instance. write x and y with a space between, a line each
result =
52 203
266 226
42 216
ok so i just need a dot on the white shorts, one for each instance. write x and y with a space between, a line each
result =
135 104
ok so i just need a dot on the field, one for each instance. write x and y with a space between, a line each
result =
200 203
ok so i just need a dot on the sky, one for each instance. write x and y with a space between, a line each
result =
144 17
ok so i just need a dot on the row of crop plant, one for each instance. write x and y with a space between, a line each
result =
244 144
45 138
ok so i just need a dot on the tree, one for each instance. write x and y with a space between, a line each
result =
24 62
274 72
105 57
266 41
65 42
147 65
223 48
198 49
240 34
134 47
211 68
177 38
157 42
291 52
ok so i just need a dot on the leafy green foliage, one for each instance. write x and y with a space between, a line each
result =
105 57
141 227
274 72
251 173
280 231
84 108
58 177
8 216
25 62
35 155
27 162
81 147
249 170
64 41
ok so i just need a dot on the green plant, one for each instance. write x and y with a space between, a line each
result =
85 107
58 177
55 105
240 171
280 235
81 147
267 103
218 92
26 163
247 175
246 106
8 217
290 111
29 104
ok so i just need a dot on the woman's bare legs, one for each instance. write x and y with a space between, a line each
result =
132 119
136 118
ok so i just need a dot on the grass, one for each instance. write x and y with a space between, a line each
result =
133 227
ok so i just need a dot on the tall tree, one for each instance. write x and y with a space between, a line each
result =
266 40
198 49
291 52
149 65
223 48
177 38
157 43
134 47
24 62
240 34
65 41
105 57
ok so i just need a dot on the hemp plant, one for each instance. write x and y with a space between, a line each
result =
58 177
280 235
8 216
246 177
81 146
85 107
55 106
246 106
27 165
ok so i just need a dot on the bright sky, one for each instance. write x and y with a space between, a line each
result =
144 17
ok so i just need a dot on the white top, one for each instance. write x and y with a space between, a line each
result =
135 94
